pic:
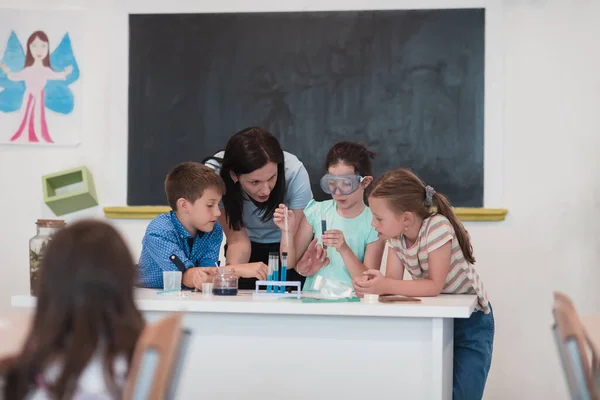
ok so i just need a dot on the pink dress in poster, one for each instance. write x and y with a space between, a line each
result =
38 84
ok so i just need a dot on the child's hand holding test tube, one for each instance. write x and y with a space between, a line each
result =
323 229
335 238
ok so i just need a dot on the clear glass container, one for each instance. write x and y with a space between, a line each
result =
225 282
46 228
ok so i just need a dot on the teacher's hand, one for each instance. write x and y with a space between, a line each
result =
312 260
256 270
279 218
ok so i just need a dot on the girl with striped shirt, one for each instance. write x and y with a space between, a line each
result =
425 238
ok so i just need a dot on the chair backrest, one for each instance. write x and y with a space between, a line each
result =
184 345
574 349
591 324
154 359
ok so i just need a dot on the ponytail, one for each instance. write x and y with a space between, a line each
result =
464 240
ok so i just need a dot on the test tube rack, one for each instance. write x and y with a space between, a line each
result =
276 293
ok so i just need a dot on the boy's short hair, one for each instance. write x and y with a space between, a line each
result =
188 180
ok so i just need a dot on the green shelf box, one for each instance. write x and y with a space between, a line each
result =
69 190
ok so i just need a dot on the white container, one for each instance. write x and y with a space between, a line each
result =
370 299
172 281
207 288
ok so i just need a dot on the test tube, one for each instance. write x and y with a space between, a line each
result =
283 270
275 269
287 233
270 273
323 227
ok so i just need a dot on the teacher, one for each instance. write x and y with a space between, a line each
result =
258 176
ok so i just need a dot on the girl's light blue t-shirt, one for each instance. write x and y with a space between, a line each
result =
358 232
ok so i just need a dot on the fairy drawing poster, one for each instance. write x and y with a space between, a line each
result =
39 86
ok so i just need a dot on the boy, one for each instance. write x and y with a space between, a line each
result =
189 236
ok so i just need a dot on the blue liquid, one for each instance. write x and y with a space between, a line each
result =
275 278
269 287
225 292
323 230
283 278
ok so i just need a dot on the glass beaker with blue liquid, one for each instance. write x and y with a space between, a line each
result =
225 282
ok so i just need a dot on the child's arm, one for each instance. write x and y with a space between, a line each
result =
165 251
209 260
299 237
393 266
299 242
439 266
238 243
299 234
195 277
373 254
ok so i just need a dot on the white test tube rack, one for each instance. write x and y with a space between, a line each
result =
278 284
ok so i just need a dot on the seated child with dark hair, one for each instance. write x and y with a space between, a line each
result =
86 323
188 238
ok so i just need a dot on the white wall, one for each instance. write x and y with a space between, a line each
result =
551 187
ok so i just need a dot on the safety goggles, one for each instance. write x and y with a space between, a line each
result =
340 184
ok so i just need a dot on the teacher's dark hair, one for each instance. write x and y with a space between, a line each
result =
246 151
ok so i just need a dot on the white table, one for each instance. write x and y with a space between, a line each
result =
247 348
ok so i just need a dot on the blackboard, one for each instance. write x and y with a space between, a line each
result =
409 83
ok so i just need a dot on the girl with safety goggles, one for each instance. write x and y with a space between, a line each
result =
351 245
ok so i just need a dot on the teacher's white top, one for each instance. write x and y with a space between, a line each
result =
443 306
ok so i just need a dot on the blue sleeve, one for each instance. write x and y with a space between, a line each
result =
161 246
210 254
299 191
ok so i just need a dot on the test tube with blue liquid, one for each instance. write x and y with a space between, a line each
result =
284 256
270 272
323 228
275 257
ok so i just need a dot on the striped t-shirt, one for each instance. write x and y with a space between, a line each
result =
434 233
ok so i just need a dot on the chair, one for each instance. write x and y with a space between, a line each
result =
184 345
157 360
574 350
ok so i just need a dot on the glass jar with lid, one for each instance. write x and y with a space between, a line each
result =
225 282
37 248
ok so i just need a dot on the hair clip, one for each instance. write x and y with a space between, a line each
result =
429 193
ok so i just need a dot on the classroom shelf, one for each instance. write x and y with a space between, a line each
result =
149 212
